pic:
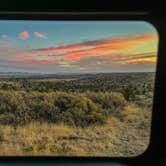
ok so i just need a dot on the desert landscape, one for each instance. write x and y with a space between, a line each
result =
78 115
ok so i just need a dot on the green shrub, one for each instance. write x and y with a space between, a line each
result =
78 109
108 101
8 118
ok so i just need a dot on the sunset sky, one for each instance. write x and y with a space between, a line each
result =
77 46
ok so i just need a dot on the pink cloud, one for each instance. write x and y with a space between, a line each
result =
115 50
109 49
39 35
11 56
24 35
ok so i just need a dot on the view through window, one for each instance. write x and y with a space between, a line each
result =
76 88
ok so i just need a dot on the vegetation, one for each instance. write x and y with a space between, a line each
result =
102 114
81 109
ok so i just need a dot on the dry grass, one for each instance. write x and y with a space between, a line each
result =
125 136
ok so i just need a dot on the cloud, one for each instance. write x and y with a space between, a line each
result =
98 54
18 57
118 50
39 35
24 35
132 58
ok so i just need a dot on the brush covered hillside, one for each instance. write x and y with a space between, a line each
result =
75 115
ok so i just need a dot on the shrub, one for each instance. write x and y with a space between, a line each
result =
8 118
9 101
78 109
108 101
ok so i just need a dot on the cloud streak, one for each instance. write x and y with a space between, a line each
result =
116 51
39 35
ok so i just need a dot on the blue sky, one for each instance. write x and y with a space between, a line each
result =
64 33
71 31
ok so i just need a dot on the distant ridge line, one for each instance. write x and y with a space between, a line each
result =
42 74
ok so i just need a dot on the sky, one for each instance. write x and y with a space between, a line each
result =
77 46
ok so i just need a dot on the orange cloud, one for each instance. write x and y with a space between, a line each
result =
39 35
130 57
112 48
62 49
115 50
144 63
24 35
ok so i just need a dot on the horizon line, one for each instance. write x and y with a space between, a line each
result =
77 72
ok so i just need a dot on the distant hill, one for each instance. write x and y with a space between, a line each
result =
63 74
17 73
